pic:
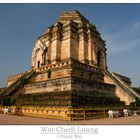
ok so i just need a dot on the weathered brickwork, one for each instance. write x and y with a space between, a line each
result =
71 38
69 71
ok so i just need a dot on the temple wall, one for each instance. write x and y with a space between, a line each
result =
67 84
92 87
88 78
65 49
70 67
55 74
74 49
63 84
83 76
87 72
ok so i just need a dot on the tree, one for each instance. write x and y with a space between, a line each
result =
137 102
49 72
137 89
132 105
6 100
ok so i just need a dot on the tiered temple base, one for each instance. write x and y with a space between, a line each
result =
78 87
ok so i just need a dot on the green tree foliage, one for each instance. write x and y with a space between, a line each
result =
137 100
135 104
137 89
49 72
132 105
6 100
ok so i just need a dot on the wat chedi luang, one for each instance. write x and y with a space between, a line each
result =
68 72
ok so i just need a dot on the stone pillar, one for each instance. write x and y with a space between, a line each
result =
94 56
46 58
55 45
83 44
74 41
66 42
90 47
48 44
104 59
69 45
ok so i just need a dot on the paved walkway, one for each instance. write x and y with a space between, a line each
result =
13 119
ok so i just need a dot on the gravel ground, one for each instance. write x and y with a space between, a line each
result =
13 119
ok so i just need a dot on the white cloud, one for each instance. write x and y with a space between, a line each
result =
136 25
120 38
117 45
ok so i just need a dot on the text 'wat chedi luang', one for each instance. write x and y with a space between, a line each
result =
68 74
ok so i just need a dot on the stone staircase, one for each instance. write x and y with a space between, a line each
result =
130 94
126 86
19 82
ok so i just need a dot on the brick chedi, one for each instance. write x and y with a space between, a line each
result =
75 53
72 36
69 71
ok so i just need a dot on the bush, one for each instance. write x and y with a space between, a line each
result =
49 73
137 102
132 106
6 100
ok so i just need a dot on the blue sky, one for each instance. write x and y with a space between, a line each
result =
21 24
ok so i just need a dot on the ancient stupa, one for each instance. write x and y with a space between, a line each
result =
68 71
